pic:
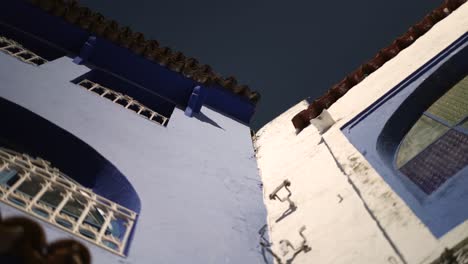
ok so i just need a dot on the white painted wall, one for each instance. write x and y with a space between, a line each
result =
371 224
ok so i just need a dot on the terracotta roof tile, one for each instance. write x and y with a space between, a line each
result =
97 24
302 119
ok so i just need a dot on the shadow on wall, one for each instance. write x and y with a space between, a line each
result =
26 132
203 118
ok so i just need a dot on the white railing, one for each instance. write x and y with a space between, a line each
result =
15 49
125 101
35 178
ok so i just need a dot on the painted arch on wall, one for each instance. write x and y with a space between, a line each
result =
26 132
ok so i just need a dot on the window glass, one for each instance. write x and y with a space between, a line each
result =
438 162
452 107
465 125
436 148
421 135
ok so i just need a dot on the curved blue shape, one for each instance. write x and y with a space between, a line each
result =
378 131
26 132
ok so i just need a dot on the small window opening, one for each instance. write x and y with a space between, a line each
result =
124 100
16 50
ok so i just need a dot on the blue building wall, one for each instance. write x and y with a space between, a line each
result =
53 35
197 180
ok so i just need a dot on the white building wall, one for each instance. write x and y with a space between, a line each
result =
371 224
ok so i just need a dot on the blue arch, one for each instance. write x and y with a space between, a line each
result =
410 110
27 132
378 130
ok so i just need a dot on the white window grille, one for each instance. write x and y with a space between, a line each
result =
33 186
125 101
15 49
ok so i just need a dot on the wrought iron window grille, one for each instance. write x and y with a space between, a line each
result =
34 187
16 50
125 101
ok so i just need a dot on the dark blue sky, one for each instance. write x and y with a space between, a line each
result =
286 50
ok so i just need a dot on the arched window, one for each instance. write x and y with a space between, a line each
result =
35 187
436 147
415 137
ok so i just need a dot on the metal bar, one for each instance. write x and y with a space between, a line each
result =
93 87
45 188
17 183
104 226
33 58
127 234
6 47
83 215
20 52
59 208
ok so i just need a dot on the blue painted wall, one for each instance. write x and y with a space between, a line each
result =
378 130
38 28
196 178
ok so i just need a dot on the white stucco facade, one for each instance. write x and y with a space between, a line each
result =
350 213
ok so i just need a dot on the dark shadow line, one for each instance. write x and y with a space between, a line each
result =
205 119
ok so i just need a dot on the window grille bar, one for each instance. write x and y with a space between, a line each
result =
130 103
129 226
7 47
20 52
33 58
45 188
83 215
437 119
93 87
17 183
109 216
66 198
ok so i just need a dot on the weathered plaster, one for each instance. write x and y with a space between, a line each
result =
372 224
333 227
